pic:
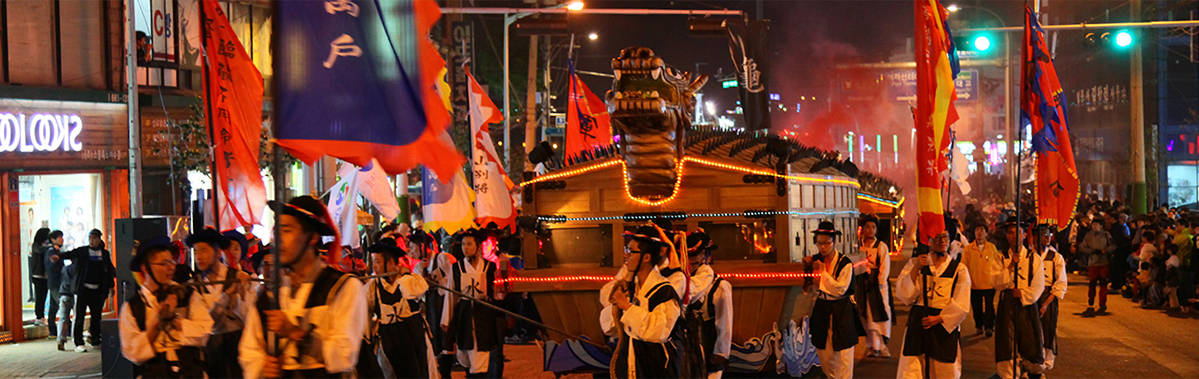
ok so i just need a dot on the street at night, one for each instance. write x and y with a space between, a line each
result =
910 189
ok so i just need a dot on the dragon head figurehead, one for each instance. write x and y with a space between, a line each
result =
650 105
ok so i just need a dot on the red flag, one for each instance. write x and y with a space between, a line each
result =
1041 107
587 123
935 95
234 102
492 199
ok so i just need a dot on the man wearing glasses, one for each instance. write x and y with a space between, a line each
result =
642 310
164 328
835 326
938 289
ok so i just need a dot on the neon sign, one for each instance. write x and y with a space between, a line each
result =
40 132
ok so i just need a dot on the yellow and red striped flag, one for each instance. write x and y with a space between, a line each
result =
936 65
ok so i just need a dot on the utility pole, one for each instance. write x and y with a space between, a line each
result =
135 138
531 103
1137 103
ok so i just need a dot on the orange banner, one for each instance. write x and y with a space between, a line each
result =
234 91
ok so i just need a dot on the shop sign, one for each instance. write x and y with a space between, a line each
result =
41 132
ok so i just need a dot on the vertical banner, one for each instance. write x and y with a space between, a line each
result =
493 201
751 58
234 99
1042 107
461 51
935 93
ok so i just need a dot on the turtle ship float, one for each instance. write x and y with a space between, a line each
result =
757 195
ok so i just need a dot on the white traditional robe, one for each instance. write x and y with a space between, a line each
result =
722 299
339 330
880 259
639 321
953 299
193 330
1029 294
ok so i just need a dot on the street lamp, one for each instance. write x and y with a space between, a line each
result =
574 6
593 36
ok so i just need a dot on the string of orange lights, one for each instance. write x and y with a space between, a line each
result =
607 278
675 192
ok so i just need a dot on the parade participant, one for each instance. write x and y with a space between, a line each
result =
711 302
400 339
225 302
1055 282
164 326
981 259
874 289
321 312
1098 244
643 312
835 326
1018 321
436 266
471 327
938 289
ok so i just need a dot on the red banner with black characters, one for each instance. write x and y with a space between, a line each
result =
234 101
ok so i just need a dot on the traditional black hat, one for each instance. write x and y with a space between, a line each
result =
144 248
651 241
236 236
311 210
388 248
421 237
699 242
1013 221
472 232
209 236
826 228
866 217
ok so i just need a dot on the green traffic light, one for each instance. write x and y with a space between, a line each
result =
982 43
1123 39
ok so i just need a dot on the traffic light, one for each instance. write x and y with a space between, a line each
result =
1118 39
974 44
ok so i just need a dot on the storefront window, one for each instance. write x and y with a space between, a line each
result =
1182 180
72 203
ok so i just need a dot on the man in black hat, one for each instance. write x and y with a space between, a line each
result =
1055 289
164 326
223 300
472 328
399 336
321 313
94 279
642 310
711 303
938 289
436 266
835 326
1018 321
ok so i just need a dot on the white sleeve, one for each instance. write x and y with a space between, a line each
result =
884 265
608 321
1001 278
135 343
341 337
835 286
906 290
957 309
251 351
1030 294
413 286
448 299
724 319
654 325
197 326
1059 287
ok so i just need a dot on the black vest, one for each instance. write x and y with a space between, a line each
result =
190 363
937 343
327 283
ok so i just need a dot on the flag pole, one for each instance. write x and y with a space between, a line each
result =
280 189
205 35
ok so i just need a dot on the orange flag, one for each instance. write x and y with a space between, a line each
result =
587 122
935 95
234 102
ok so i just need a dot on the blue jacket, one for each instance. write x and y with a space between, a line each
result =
54 269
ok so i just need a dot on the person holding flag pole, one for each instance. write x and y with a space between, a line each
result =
936 66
